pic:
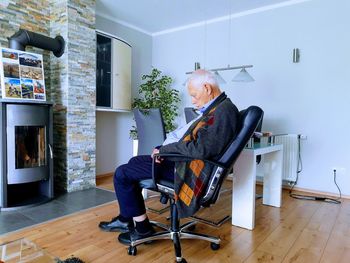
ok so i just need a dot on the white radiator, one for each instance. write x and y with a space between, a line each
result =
290 154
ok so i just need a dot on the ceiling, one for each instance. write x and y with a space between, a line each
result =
152 16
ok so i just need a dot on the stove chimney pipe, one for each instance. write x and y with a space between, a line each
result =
23 38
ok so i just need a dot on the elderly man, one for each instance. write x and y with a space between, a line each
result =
204 138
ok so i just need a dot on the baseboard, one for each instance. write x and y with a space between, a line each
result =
322 193
299 189
104 175
310 191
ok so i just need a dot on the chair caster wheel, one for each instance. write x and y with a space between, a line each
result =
214 246
132 251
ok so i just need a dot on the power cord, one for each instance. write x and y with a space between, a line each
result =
313 197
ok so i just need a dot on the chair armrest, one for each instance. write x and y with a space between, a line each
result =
180 158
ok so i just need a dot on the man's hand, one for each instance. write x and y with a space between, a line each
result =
155 151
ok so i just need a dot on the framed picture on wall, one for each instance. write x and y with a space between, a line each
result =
22 75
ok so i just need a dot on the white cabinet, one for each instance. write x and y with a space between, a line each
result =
121 67
113 73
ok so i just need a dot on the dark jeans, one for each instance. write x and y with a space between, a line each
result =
126 183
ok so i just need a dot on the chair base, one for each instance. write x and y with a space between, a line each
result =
182 233
175 233
175 236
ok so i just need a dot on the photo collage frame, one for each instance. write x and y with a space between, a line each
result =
22 75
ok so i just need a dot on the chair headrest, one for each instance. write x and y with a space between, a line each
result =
258 128
249 120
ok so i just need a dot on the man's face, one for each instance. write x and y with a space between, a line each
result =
199 96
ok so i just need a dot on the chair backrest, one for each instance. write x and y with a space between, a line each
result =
258 128
249 120
150 130
190 114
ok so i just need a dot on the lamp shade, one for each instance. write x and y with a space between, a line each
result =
243 76
218 77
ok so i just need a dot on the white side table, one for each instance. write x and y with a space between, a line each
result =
244 180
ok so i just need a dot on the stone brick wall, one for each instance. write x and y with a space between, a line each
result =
59 94
70 80
81 121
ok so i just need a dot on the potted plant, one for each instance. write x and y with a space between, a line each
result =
155 92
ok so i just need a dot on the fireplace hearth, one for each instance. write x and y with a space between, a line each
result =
26 168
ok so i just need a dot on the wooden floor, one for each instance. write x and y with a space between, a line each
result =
300 231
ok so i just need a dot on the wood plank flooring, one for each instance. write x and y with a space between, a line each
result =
300 231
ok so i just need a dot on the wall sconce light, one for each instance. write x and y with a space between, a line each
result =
296 55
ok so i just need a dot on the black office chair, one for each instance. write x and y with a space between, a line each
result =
248 123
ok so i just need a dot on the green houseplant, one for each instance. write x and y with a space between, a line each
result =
156 92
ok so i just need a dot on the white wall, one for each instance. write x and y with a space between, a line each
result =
311 97
113 145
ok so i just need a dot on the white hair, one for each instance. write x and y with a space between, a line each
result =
200 77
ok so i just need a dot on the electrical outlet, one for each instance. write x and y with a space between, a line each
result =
303 137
